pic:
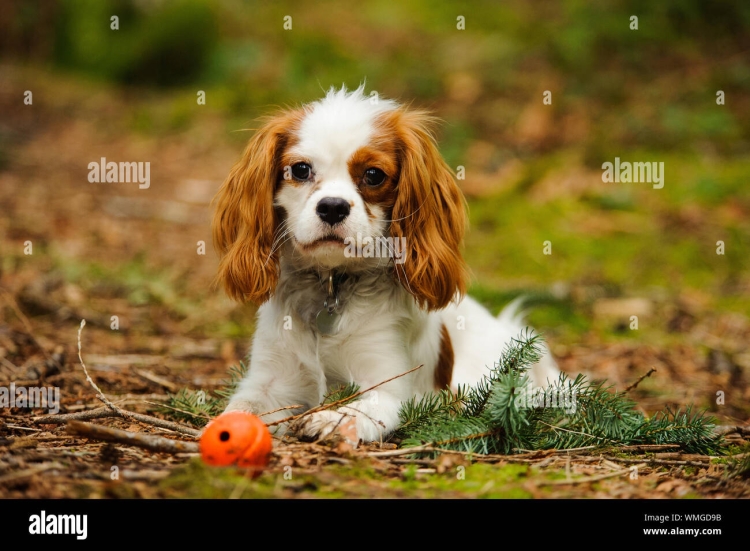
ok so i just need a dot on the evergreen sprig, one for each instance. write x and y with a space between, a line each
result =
192 406
503 413
197 407
341 392
236 374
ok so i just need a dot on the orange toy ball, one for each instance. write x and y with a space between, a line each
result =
236 438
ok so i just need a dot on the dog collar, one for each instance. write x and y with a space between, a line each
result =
328 318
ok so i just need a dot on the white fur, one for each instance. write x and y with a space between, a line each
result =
383 332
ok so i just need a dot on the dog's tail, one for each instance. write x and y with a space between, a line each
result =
512 314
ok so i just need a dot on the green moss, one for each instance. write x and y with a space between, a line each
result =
358 479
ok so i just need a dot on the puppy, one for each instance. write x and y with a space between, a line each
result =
344 223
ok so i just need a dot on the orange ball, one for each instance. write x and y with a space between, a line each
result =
236 438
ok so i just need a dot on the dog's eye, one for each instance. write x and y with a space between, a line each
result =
374 177
301 171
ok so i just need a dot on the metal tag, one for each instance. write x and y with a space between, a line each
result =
327 323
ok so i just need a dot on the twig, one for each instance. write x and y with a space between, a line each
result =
403 451
154 378
635 384
97 413
489 457
659 461
464 438
337 402
147 441
104 412
100 394
573 431
190 413
150 475
582 480
29 472
568 450
430 448
280 409
137 417
647 448
723 430
18 427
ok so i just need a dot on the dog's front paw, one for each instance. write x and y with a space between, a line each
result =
248 406
322 424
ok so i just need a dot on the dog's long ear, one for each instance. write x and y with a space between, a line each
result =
245 221
430 212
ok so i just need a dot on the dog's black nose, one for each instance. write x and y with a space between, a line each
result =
332 210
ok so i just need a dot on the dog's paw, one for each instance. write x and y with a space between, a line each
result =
248 406
322 424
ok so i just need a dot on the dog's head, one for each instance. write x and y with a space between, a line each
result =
324 182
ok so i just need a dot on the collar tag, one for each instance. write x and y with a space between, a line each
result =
327 320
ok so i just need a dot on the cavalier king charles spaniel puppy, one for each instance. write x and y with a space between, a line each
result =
344 223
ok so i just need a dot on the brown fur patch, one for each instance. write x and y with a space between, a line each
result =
444 368
383 157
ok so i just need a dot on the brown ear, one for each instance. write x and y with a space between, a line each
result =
245 221
430 212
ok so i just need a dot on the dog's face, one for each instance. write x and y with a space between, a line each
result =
320 182
339 181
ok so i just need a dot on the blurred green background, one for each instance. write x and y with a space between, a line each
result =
533 171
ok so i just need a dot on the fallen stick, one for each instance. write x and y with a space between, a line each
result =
635 384
582 480
338 402
191 414
520 458
29 472
654 461
404 451
99 392
147 441
143 419
154 378
295 406
104 412
647 448
723 430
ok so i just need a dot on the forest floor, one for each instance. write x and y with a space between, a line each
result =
129 262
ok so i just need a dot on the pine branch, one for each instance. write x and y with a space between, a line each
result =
341 393
236 374
198 407
503 413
